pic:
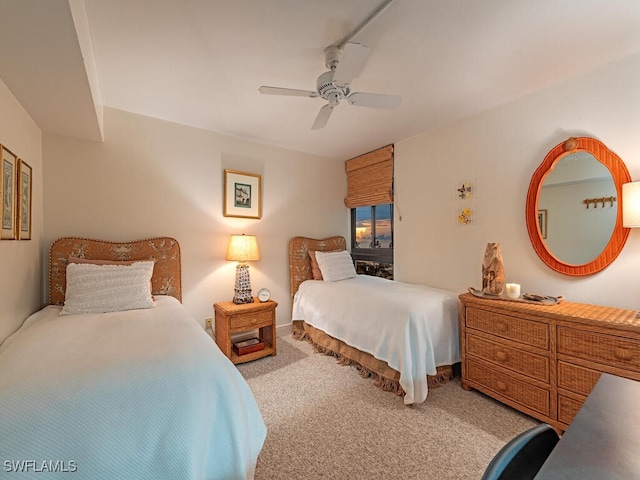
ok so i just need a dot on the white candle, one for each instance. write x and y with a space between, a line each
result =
513 290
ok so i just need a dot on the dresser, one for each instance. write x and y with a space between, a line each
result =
544 360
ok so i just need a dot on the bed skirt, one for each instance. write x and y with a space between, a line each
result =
386 378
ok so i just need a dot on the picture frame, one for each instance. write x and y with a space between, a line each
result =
542 223
466 216
24 200
464 190
8 194
242 194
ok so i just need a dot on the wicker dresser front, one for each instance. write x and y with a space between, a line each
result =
544 360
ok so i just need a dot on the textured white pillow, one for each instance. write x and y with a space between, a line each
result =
107 288
335 266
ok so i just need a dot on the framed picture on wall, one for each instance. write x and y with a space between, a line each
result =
24 200
242 194
542 222
8 193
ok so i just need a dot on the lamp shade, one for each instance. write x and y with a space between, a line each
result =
631 205
243 248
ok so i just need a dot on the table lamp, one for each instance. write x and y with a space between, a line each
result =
242 249
631 205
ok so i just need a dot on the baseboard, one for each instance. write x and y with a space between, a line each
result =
282 330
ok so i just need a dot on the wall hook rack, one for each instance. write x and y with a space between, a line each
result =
596 201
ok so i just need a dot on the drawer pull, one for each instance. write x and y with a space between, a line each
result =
254 321
501 356
622 353
501 386
501 327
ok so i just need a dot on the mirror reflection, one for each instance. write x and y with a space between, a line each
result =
577 208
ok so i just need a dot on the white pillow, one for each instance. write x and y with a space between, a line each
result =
335 266
107 288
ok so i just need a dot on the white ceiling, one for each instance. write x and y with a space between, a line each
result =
200 62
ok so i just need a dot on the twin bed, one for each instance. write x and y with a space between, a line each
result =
403 335
129 394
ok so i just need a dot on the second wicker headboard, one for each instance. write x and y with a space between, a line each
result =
299 261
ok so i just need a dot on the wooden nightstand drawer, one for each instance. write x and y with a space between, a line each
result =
599 347
530 364
520 330
251 320
530 396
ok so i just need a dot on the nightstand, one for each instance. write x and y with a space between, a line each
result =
231 318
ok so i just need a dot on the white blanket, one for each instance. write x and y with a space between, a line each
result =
413 328
143 394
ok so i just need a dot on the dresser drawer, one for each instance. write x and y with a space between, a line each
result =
577 379
521 330
530 364
535 398
251 319
599 347
568 408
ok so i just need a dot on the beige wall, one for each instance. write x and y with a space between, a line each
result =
21 263
153 178
499 150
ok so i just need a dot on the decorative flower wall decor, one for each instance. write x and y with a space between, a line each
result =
465 216
464 190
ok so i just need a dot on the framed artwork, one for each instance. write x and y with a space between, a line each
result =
465 216
464 190
9 195
542 222
242 194
24 200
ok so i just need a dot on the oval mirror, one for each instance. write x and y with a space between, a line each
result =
573 213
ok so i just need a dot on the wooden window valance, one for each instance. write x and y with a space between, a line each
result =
370 178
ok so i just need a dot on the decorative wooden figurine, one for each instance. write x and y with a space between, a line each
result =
493 270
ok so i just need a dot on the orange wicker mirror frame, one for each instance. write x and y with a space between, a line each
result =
619 236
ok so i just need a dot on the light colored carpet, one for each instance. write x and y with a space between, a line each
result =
325 421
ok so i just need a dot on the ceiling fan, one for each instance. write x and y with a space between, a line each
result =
334 85
345 62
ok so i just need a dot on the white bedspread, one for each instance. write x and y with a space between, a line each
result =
143 394
413 328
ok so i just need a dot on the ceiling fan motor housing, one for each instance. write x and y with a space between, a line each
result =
330 91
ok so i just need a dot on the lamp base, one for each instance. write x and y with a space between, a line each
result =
243 285
242 296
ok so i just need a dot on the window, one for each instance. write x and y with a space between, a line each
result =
372 239
370 198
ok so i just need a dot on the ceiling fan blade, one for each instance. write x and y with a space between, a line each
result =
323 117
374 100
287 91
352 61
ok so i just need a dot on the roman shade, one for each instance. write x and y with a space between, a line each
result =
370 178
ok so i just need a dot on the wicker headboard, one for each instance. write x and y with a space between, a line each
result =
299 261
166 279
